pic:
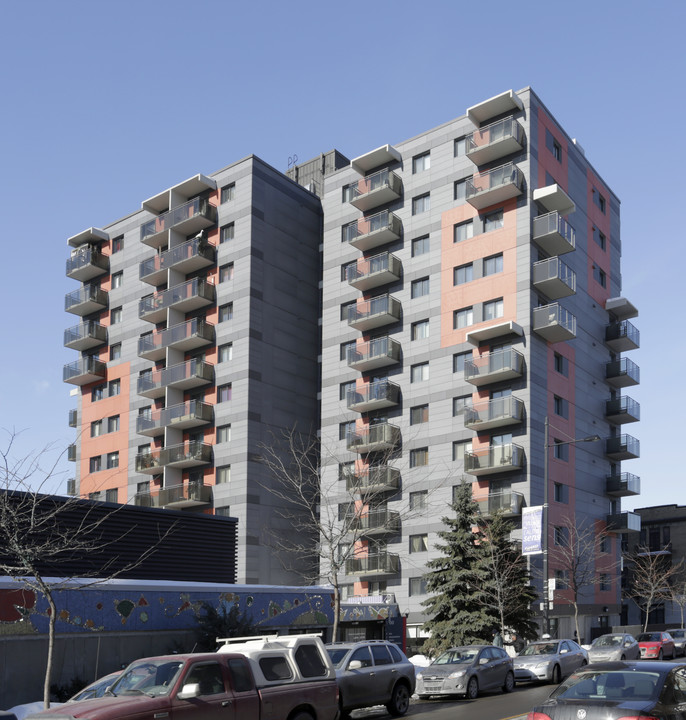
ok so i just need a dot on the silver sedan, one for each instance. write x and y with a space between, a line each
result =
614 646
549 661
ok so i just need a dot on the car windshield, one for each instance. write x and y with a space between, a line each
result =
677 633
608 641
456 656
337 655
540 649
148 677
614 686
649 637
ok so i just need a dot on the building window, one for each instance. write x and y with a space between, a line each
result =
421 204
463 318
345 309
113 424
117 279
460 404
459 359
420 330
560 493
115 316
95 464
98 393
494 221
419 288
346 470
419 543
560 450
224 393
112 460
348 271
419 414
420 246
117 244
460 189
460 147
557 151
493 265
494 309
225 353
600 201
463 231
225 312
345 429
600 239
605 582
96 428
114 387
223 511
419 372
227 232
345 347
421 162
463 274
599 276
460 448
561 364
226 272
228 193
417 586
419 457
344 388
560 406
418 500
349 192
223 474
560 580
349 231
561 536
115 351
112 495
223 434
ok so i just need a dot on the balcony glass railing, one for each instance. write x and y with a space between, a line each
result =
624 333
378 478
624 371
81 334
500 410
623 446
86 367
193 208
550 273
623 484
380 564
381 264
379 393
385 306
384 220
382 436
494 458
506 131
196 248
176 334
497 365
187 454
379 351
506 502
554 322
190 414
379 521
87 259
195 288
495 179
86 295
623 406
176 374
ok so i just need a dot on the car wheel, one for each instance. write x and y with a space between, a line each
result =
400 700
303 716
583 663
556 676
509 683
659 655
472 688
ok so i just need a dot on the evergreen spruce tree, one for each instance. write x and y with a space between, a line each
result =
458 614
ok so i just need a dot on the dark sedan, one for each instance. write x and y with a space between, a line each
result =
609 691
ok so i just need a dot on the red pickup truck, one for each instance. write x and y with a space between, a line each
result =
277 678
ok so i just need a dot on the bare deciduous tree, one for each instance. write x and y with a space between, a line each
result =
678 591
43 537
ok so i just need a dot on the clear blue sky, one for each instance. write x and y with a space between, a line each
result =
106 103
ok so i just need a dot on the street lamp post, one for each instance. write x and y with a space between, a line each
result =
546 580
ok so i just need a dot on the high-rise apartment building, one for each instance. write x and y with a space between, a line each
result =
441 309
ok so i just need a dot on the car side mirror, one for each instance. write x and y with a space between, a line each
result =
354 665
563 651
483 661
628 643
189 691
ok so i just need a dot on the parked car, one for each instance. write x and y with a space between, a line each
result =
614 646
679 637
608 691
656 645
467 671
372 672
549 660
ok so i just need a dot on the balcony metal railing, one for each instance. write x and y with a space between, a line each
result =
87 335
189 257
85 300
185 375
184 415
496 366
494 141
494 459
373 190
372 231
554 278
379 564
86 370
379 394
494 186
622 409
73 418
622 372
375 522
184 336
554 323
622 447
375 353
377 478
194 214
189 454
187 296
71 453
189 495
507 502
494 413
377 311
554 234
87 263
374 271
624 522
622 336
374 438
623 484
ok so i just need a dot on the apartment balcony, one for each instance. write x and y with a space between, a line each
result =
185 336
373 479
186 297
184 455
374 438
86 370
377 312
372 354
374 190
495 141
494 459
373 231
554 324
494 367
375 523
368 273
623 485
553 278
373 396
73 418
86 300
506 502
622 373
188 218
498 412
85 336
184 376
624 522
622 447
553 234
553 198
71 453
495 186
379 565
87 263
176 496
183 416
383 155
507 101
187 258
91 236
622 336
148 463
622 410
